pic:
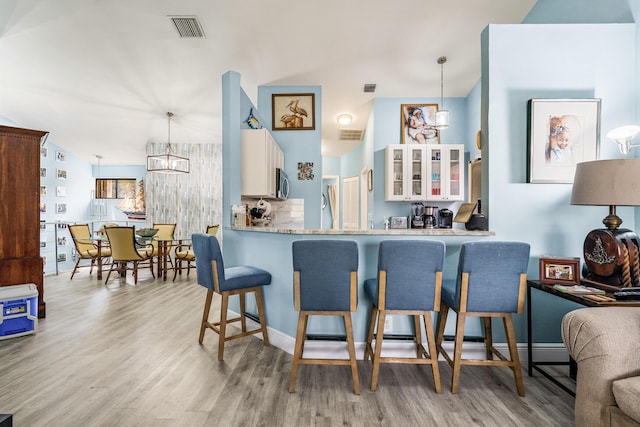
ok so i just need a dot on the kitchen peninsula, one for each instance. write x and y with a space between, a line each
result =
270 248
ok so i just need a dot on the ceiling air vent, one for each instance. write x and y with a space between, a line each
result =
351 134
369 88
187 26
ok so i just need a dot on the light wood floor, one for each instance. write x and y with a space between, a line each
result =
127 355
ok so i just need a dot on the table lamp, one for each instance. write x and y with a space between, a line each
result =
611 255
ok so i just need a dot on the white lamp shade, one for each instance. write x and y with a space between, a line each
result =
442 119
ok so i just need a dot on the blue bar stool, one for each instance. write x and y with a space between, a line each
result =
409 282
239 280
325 280
491 282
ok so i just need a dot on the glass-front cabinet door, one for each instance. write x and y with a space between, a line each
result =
405 172
445 172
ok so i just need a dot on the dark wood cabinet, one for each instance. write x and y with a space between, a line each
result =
20 260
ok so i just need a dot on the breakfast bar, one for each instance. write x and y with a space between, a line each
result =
270 248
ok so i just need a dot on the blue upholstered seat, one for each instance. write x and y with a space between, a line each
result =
239 280
325 283
409 281
491 282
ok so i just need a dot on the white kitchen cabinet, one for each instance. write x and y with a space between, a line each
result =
260 155
445 172
405 172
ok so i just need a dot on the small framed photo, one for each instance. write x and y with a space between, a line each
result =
418 123
61 191
293 111
61 208
44 152
560 270
43 190
560 134
62 257
43 172
62 173
61 156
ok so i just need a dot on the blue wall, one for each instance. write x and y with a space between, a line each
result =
521 62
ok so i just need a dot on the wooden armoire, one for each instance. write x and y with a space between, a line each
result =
20 260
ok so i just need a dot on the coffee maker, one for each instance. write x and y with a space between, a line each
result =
430 217
445 218
417 215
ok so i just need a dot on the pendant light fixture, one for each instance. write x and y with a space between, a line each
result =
442 115
168 162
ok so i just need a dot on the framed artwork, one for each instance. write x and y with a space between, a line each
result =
560 270
61 191
305 171
62 241
418 123
61 208
560 134
293 111
61 156
43 172
43 207
62 257
43 190
44 152
62 173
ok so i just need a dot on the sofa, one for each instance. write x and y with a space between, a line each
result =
605 343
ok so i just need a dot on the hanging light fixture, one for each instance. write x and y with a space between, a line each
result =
168 162
442 116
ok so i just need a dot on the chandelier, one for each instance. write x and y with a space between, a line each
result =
168 162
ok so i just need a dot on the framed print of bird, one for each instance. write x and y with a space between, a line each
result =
293 111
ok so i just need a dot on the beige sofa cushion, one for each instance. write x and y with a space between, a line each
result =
627 394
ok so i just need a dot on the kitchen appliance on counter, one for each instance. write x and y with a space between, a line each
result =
417 215
430 217
445 218
477 220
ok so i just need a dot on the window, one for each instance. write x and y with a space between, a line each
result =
108 188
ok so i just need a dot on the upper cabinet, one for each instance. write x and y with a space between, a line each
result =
406 172
261 156
445 172
430 172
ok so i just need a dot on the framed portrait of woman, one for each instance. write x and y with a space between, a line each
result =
417 122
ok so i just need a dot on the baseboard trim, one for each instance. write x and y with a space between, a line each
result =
549 352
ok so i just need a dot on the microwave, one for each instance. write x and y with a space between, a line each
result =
282 184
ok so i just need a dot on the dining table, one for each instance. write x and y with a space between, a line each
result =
164 253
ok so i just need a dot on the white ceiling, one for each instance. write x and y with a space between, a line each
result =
101 74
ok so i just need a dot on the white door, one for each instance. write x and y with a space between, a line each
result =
350 203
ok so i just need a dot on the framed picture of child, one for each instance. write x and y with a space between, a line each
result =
560 134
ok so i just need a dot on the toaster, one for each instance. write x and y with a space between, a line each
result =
398 222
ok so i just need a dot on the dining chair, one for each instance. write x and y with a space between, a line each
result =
125 250
409 282
491 282
325 280
85 248
227 281
184 253
165 232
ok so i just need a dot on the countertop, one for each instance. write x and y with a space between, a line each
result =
382 232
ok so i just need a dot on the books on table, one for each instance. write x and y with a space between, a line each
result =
578 289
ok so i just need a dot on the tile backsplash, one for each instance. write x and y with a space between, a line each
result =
287 213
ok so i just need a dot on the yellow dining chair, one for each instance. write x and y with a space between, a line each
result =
124 250
85 247
165 232
184 253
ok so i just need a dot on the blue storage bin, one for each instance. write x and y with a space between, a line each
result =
18 310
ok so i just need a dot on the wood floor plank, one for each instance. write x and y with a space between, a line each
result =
128 355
